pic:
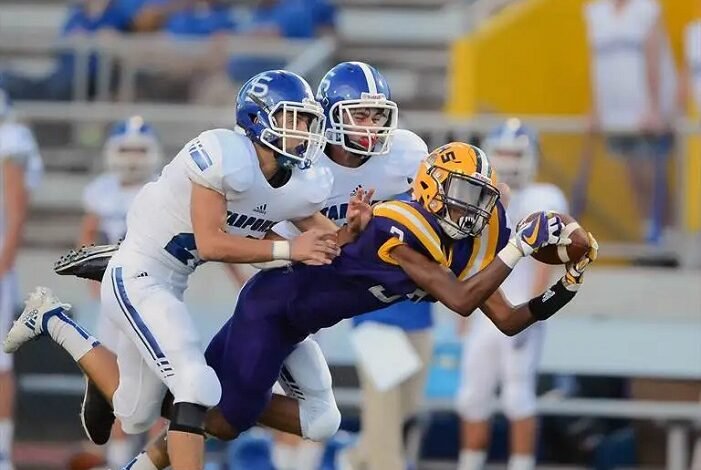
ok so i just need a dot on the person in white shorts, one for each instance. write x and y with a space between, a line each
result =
490 358
20 172
214 202
634 98
132 157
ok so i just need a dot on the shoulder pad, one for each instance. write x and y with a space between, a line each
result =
318 183
407 151
236 154
404 221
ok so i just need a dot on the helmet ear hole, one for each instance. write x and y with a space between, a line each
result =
424 185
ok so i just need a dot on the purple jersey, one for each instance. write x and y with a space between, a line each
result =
279 308
365 277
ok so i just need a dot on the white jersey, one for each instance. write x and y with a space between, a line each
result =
390 175
159 225
617 41
692 49
18 144
109 200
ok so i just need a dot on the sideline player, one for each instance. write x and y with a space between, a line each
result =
132 156
20 172
490 358
442 246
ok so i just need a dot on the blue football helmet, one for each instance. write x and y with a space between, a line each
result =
267 110
132 151
349 88
513 150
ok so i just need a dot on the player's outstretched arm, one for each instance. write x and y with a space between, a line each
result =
463 297
512 319
208 215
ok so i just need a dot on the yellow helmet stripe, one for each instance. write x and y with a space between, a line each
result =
414 221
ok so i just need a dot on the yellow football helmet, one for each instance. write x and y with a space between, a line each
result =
457 184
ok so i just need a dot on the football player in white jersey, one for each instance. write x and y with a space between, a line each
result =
364 150
20 171
490 358
215 201
132 156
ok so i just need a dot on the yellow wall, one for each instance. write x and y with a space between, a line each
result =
532 58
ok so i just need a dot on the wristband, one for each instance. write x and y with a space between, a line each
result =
547 304
281 250
510 255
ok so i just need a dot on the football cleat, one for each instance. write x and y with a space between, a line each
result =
31 324
87 262
96 414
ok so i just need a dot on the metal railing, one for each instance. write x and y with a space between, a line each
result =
436 128
132 53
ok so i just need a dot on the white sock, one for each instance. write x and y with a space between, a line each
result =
309 455
141 462
7 428
472 460
70 336
521 462
119 452
284 456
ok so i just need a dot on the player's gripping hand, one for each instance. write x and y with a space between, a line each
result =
314 247
537 230
359 211
533 232
575 271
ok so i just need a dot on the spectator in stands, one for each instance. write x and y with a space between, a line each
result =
184 17
86 18
294 19
208 20
634 80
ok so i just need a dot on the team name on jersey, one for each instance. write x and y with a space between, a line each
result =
250 222
338 211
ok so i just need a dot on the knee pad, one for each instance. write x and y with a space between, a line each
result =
305 376
188 417
319 416
305 370
473 404
197 384
135 417
519 399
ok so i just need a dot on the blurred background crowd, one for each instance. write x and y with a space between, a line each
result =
609 92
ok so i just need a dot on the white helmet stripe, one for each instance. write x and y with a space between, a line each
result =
369 77
483 163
